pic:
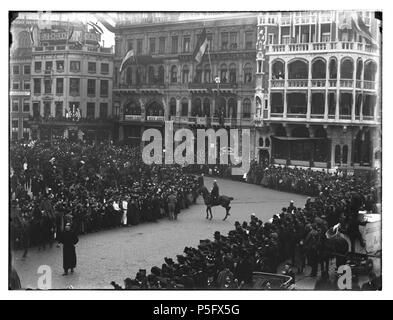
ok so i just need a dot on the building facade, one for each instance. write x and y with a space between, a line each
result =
71 86
165 83
20 80
318 90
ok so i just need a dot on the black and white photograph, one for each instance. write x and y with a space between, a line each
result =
195 150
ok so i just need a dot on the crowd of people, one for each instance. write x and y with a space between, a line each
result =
90 186
297 236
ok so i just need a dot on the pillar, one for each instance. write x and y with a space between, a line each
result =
309 91
354 91
213 107
177 107
337 115
121 133
326 110
189 107
239 110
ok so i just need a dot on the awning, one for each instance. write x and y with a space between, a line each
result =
297 138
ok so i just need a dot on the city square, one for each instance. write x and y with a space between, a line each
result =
275 131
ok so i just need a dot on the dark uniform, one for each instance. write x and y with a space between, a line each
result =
215 193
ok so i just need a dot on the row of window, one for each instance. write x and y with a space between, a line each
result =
229 41
297 104
25 123
17 69
17 85
74 87
227 75
15 107
75 66
73 108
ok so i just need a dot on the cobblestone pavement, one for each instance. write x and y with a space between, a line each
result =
119 253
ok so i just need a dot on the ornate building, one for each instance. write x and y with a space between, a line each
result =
166 83
71 91
318 90
20 79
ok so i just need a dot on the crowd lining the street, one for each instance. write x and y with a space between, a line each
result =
100 186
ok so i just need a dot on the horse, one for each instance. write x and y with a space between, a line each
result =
222 201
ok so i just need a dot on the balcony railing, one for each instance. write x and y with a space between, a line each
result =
322 46
132 117
332 83
277 83
369 85
301 83
318 83
346 83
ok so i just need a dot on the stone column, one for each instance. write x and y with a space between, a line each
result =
121 132
189 107
326 110
337 115
239 111
177 107
309 91
354 92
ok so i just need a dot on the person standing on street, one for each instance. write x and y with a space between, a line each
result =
69 240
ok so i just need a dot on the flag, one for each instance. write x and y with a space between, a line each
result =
31 33
201 46
96 27
70 33
360 27
129 56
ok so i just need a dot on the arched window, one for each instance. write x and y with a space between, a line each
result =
337 154
197 108
198 75
370 70
359 69
232 108
132 108
261 142
319 69
174 74
247 73
345 154
155 109
129 76
278 71
223 73
161 74
220 107
185 74
152 77
346 68
184 107
232 73
139 75
333 69
207 77
172 107
206 107
298 69
246 108
267 142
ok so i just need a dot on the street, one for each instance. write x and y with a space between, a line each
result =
116 254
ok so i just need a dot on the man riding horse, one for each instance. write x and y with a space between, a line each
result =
213 199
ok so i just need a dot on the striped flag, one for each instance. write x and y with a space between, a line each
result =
96 27
31 33
201 46
360 27
130 56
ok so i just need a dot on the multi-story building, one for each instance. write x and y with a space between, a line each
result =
318 90
166 83
20 82
71 86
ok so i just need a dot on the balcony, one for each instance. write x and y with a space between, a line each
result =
132 117
298 83
346 83
321 47
318 83
277 83
155 118
305 19
368 85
